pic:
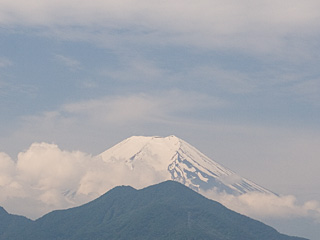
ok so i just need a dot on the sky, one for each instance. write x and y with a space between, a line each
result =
239 80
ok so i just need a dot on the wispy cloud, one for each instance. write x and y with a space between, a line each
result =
10 89
4 62
119 110
70 63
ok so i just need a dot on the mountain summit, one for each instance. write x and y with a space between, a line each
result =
175 159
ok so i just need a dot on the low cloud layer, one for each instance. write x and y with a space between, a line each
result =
262 206
45 178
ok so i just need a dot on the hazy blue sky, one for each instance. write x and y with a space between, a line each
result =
239 80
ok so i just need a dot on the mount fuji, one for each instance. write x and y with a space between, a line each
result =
75 178
175 159
46 178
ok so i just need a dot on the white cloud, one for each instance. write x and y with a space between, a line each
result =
47 178
263 206
45 166
160 106
105 176
42 174
7 169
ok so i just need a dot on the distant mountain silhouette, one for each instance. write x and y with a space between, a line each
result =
12 224
168 210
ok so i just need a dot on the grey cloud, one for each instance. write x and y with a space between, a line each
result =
254 26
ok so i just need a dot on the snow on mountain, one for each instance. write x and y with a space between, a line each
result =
46 178
177 160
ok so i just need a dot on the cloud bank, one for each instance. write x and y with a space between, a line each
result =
262 206
45 178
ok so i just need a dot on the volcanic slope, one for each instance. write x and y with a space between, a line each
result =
171 158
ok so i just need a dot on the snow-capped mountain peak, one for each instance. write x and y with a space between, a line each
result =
175 159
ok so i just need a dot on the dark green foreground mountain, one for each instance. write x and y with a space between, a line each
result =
168 210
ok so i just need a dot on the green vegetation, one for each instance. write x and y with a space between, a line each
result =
167 210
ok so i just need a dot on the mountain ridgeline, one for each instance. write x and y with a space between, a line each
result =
168 210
